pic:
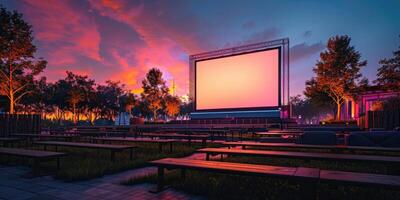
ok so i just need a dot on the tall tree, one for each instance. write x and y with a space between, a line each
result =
18 64
337 72
81 89
154 91
75 97
389 72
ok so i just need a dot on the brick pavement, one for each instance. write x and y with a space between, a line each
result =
14 186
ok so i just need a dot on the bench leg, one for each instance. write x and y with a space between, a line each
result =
45 147
112 154
183 174
160 147
207 156
131 153
160 179
36 166
170 147
58 163
309 189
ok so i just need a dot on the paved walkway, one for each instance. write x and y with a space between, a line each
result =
14 186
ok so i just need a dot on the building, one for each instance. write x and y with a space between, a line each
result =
367 101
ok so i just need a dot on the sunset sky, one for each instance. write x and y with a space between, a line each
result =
122 39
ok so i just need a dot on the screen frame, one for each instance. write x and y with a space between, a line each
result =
242 108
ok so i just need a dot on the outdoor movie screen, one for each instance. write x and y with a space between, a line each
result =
238 82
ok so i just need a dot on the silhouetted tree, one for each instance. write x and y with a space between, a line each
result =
186 108
389 72
154 91
38 101
18 64
109 95
308 110
337 72
127 101
59 91
80 90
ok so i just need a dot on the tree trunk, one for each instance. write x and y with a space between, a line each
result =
338 111
155 115
11 92
74 113
11 101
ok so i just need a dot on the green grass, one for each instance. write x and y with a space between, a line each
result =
82 164
223 186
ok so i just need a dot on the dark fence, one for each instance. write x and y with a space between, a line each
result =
19 123
387 119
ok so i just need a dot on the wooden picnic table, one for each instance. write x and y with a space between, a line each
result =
309 178
37 156
160 142
9 141
335 148
113 148
300 155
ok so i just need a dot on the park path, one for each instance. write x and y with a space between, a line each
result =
14 186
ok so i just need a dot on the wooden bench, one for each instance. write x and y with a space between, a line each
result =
46 136
112 148
300 155
280 134
160 142
293 146
9 141
188 137
37 156
308 177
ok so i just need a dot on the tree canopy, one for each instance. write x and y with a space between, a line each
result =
337 73
154 91
18 65
388 76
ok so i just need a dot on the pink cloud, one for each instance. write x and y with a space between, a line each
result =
65 32
162 44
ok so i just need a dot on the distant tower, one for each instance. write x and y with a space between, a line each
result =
173 87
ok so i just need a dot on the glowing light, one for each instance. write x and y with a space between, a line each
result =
242 81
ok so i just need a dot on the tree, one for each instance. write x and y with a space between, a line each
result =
154 91
172 106
75 97
109 95
337 72
38 101
308 110
80 90
127 101
18 64
59 91
186 108
389 72
317 96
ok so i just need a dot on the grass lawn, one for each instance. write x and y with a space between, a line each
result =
82 164
222 186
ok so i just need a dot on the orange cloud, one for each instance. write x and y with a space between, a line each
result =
162 44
